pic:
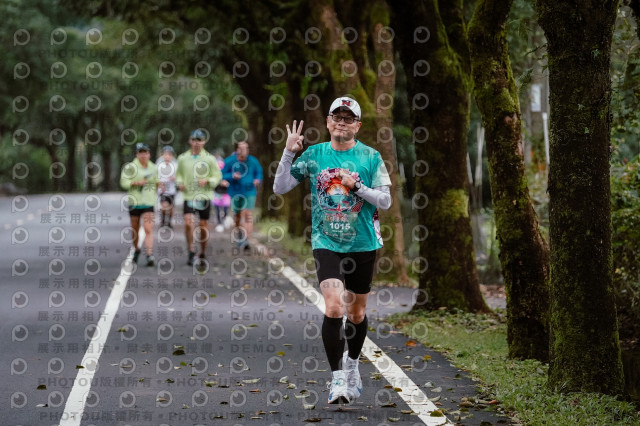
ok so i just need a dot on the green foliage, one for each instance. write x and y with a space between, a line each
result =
30 161
478 344
522 33
625 220
625 79
92 103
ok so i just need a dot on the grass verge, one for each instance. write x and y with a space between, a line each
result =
478 344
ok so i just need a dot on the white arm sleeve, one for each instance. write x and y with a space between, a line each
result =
284 181
380 196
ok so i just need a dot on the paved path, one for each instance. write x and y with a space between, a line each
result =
88 338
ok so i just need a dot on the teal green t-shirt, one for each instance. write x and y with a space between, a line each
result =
341 220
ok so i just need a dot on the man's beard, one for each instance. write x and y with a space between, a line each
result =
345 136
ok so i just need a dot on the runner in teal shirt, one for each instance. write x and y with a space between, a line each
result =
342 220
349 182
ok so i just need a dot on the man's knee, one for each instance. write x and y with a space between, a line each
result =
332 289
356 317
332 285
334 312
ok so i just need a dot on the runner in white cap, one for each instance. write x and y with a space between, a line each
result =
349 182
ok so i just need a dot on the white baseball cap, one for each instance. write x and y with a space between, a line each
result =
347 103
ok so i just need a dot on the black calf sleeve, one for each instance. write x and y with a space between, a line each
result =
356 333
333 339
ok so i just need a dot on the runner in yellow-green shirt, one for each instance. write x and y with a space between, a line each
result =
198 174
139 177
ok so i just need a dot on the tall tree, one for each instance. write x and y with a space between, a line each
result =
434 53
369 75
524 254
584 346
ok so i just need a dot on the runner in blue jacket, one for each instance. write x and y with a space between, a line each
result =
243 174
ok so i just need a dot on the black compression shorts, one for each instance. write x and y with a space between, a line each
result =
354 269
202 207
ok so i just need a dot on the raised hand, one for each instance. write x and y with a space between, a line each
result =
294 137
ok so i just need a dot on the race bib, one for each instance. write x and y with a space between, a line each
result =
340 226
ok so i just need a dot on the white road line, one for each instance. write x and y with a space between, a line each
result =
74 408
410 393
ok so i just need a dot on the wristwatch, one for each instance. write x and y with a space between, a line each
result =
357 186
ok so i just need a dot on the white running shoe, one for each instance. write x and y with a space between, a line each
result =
354 381
219 228
228 222
338 388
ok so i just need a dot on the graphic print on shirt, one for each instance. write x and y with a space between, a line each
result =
340 205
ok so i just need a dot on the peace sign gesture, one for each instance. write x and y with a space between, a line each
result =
294 139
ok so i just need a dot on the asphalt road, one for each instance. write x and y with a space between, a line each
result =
89 338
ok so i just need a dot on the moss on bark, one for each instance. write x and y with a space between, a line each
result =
451 278
368 86
524 254
584 346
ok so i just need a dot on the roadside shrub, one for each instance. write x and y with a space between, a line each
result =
625 239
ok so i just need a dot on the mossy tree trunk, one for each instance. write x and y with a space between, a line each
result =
57 182
584 346
107 162
368 75
382 103
69 183
524 255
255 86
432 35
298 206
